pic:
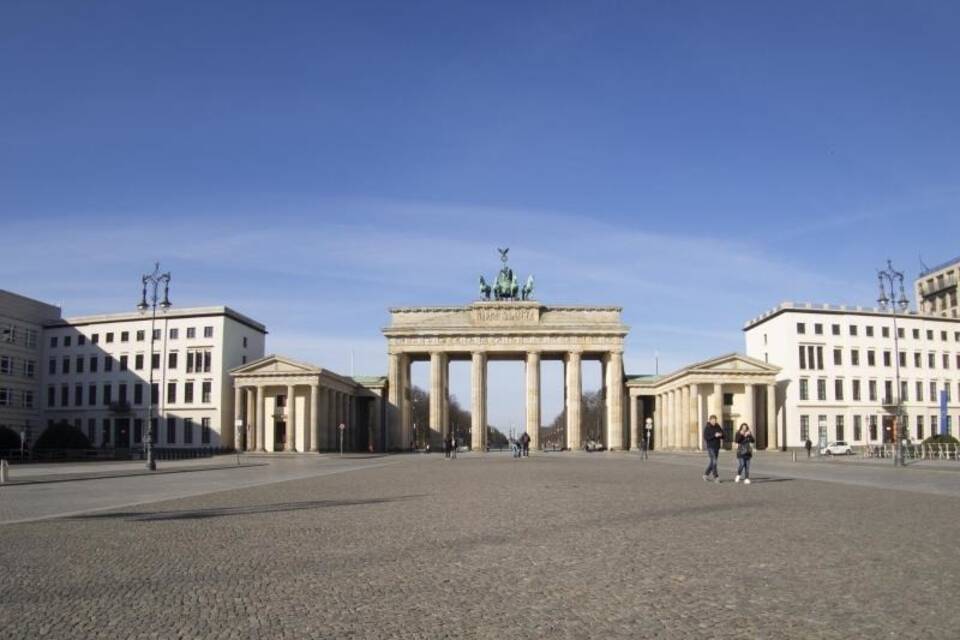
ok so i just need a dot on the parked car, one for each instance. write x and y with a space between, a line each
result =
838 448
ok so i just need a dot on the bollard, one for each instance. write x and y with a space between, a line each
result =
3 471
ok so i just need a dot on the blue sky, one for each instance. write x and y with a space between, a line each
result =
313 163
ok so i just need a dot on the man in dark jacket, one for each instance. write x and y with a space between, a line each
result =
712 437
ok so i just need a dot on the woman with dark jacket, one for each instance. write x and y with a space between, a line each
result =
744 441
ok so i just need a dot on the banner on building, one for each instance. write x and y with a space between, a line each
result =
943 411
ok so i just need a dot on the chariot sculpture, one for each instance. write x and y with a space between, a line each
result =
506 286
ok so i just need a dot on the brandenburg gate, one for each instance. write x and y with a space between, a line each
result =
510 326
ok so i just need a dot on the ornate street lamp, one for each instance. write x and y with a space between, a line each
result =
894 279
153 281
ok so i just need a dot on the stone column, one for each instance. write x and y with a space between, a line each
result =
250 400
331 426
437 428
261 420
376 424
394 395
749 413
478 401
684 435
290 444
533 398
674 419
614 400
313 428
634 425
716 402
238 416
574 388
445 395
406 413
773 440
693 422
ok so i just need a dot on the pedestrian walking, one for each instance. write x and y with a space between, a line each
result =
712 438
645 438
525 445
515 447
744 440
808 445
453 447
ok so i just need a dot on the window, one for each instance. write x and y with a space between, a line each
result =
933 391
172 360
919 390
869 331
856 390
6 397
141 334
931 360
956 336
900 333
873 428
916 334
934 425
106 431
138 393
804 389
108 363
171 430
920 427
871 358
835 329
727 398
188 431
156 334
872 390
822 428
903 358
95 338
819 358
66 366
946 361
838 391
123 363
818 329
29 368
52 366
79 364
53 342
857 428
122 393
821 389
886 359
245 340
853 330
124 336
205 431
171 392
92 395
6 365
78 395
205 392
8 333
929 334
946 390
192 332
804 428
917 359
107 394
904 396
855 357
887 392
155 360
137 430
92 431
188 393
208 332
93 364
154 392
943 336
109 338
840 428
138 362
67 341
803 357
885 332
838 357
206 362
51 396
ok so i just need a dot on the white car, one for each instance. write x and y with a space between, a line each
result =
838 448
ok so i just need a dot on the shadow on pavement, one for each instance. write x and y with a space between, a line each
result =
220 512
756 480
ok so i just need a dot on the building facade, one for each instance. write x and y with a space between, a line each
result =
21 352
936 290
839 370
106 373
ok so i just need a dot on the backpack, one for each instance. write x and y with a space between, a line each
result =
744 450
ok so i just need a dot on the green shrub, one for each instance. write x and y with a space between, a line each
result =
941 439
62 435
9 439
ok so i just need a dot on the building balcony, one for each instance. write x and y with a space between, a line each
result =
120 407
938 285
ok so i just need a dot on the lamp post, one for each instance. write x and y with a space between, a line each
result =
153 280
894 279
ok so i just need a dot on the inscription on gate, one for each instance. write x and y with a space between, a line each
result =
483 315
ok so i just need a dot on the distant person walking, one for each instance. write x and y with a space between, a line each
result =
645 438
453 447
808 445
712 438
744 440
525 445
515 447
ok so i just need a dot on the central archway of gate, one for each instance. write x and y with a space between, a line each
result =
521 330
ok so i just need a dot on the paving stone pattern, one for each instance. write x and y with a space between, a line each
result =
558 546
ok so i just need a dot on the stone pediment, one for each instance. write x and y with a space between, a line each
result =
275 364
734 362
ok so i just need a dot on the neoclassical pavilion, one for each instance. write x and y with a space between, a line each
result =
284 405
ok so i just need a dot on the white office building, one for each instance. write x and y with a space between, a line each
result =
21 327
101 373
839 368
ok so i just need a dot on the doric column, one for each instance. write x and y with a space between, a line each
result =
445 395
437 428
394 395
313 427
684 435
478 401
238 418
290 444
614 400
674 403
716 402
693 422
748 411
406 407
250 400
533 398
634 425
772 432
261 420
574 392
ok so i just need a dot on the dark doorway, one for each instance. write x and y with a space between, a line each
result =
888 434
279 435
122 432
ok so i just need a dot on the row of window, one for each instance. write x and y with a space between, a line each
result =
811 357
16 398
839 426
14 366
13 334
106 395
854 331
118 432
856 390
198 361
140 335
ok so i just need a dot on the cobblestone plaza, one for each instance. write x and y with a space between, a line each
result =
564 546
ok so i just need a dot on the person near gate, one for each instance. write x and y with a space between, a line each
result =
744 441
808 445
712 438
525 444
